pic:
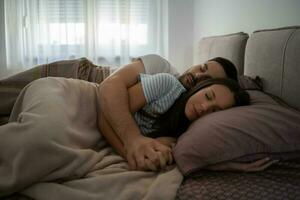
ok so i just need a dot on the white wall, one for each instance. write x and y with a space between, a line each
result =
217 17
190 20
181 33
2 40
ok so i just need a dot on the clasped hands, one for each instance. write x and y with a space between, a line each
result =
144 153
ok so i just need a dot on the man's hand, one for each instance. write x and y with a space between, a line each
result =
145 153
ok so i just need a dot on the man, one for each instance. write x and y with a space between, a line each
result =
115 107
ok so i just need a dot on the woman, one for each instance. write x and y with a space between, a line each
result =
163 107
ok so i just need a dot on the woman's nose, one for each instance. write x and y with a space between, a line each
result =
204 107
207 107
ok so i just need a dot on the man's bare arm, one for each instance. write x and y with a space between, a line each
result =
114 104
114 99
136 101
111 137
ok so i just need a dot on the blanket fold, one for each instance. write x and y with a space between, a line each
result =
52 149
80 68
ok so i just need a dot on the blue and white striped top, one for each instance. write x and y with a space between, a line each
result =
160 90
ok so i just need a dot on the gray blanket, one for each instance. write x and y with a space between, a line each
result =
52 149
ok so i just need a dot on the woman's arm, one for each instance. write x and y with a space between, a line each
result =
168 141
136 97
113 139
255 166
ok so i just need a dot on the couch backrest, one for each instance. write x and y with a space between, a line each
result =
274 55
231 46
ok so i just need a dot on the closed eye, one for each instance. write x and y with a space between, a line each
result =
210 95
207 97
203 68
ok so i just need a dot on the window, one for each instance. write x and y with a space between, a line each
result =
108 32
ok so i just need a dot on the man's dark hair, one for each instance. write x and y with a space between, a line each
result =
174 122
228 67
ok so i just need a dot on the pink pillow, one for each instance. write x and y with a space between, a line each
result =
265 128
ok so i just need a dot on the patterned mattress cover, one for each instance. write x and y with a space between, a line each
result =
281 181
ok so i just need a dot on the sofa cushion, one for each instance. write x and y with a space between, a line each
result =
250 83
273 54
231 46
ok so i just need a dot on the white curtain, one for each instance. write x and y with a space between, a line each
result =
108 32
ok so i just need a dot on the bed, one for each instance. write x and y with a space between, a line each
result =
272 54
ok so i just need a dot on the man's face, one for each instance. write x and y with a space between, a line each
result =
200 72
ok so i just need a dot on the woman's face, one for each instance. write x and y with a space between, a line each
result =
207 100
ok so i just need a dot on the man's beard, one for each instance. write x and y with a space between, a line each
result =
187 80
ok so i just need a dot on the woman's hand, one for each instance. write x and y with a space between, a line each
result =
255 166
144 153
168 141
163 162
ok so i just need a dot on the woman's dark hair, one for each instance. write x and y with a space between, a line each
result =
228 67
174 122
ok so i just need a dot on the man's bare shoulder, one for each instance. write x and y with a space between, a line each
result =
127 74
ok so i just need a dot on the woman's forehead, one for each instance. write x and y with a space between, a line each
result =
223 95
